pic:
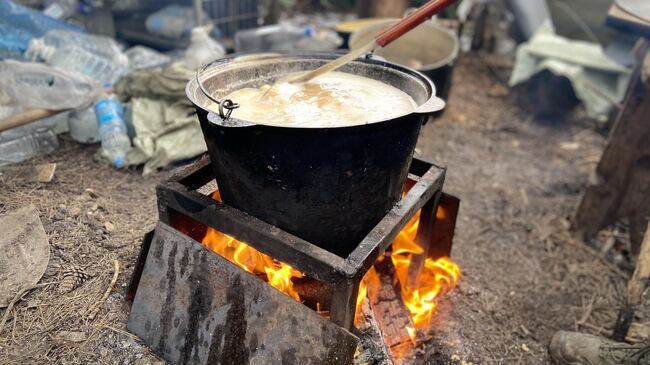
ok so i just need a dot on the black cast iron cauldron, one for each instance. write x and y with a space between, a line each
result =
329 186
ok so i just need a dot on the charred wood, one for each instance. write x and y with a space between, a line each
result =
386 301
372 349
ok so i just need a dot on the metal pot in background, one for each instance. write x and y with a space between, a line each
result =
346 29
329 186
428 48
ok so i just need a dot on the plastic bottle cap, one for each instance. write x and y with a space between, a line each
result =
119 162
84 8
37 48
122 59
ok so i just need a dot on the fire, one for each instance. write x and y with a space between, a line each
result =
437 277
278 274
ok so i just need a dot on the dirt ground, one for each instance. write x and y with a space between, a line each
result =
524 277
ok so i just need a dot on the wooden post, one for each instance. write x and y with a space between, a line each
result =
363 8
621 187
382 8
635 288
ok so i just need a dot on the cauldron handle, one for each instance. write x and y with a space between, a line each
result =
223 103
432 105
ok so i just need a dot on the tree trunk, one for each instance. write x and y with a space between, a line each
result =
622 184
385 8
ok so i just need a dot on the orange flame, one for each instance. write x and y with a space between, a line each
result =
278 274
412 334
437 277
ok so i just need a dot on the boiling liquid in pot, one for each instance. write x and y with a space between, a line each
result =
335 99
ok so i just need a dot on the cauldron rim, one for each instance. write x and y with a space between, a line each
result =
431 104
214 118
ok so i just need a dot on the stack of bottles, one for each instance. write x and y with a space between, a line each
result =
98 57
60 48
20 24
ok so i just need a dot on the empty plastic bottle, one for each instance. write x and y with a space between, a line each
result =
112 130
75 58
39 141
83 126
95 44
12 43
61 9
19 24
276 37
141 58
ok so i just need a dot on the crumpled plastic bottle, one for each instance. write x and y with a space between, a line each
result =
19 24
38 141
75 58
99 45
61 9
83 125
141 58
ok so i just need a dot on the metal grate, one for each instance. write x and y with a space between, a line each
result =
232 15
179 200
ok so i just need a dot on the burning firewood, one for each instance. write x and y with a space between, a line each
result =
386 301
372 348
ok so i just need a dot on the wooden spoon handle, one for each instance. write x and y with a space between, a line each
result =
26 117
411 21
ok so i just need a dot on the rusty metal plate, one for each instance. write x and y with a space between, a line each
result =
442 236
194 307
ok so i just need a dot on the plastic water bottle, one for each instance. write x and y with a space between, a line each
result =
83 126
19 24
141 58
276 37
39 141
112 130
61 9
12 44
99 45
74 58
